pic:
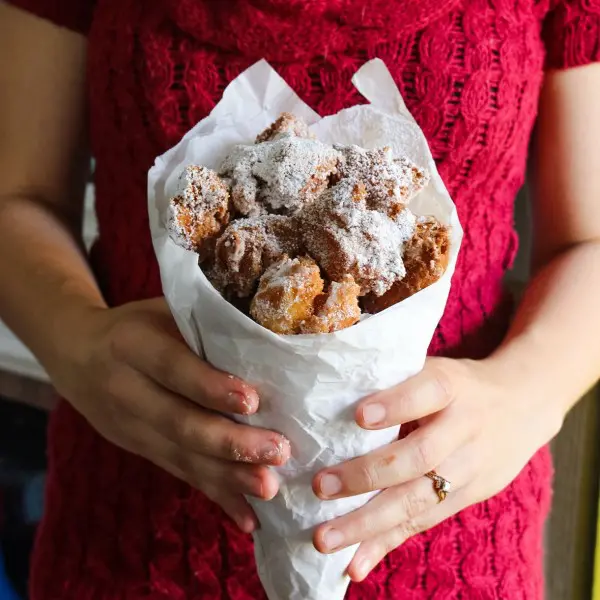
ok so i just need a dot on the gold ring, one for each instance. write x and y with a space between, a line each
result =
441 486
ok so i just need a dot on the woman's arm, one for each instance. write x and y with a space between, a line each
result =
555 337
481 421
125 369
44 164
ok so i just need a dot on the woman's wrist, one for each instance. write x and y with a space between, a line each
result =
68 334
529 380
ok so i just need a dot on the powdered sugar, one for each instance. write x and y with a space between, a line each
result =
406 221
390 183
286 123
288 275
281 175
286 294
248 247
200 209
347 238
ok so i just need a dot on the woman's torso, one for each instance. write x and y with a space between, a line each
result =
470 72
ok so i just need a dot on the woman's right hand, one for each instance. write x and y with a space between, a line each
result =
131 375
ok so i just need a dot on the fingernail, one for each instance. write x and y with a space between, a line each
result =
239 403
362 568
330 485
247 525
333 538
273 451
373 414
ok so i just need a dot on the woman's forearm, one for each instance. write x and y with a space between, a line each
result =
44 162
552 351
46 280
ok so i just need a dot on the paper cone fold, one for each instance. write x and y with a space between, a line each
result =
308 385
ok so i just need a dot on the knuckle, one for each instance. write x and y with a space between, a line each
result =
424 455
393 539
365 527
183 427
165 366
182 463
230 447
115 384
368 475
124 338
413 504
443 375
409 529
406 401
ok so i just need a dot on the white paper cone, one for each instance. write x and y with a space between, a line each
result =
308 385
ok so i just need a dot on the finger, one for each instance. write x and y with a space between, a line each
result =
387 510
421 451
199 430
239 510
169 362
430 391
234 504
157 449
249 480
372 551
200 471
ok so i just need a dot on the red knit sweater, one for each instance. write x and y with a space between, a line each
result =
116 527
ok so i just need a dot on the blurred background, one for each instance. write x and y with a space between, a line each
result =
26 399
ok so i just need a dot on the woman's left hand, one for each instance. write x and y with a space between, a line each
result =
478 427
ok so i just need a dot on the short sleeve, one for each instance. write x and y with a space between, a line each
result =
72 14
572 34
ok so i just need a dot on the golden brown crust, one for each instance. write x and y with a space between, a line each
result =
335 310
321 230
390 183
286 123
286 295
348 239
200 212
248 247
278 176
426 258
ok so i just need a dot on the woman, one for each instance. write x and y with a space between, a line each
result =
122 521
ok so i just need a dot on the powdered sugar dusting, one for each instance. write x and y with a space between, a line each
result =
335 310
341 307
286 277
390 183
286 294
248 246
285 124
281 175
341 205
199 210
406 222
346 238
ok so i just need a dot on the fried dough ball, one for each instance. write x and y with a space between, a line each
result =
286 123
286 295
390 183
335 310
247 247
347 239
426 258
200 211
280 176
